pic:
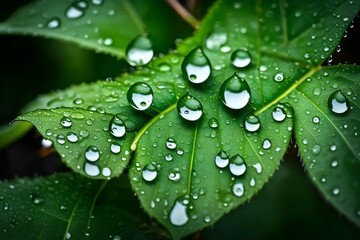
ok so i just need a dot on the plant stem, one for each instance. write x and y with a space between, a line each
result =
184 13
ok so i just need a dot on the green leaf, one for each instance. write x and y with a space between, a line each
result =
10 133
83 140
68 206
328 141
92 25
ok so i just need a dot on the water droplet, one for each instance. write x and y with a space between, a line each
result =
189 108
60 139
258 167
117 127
140 96
338 102
240 58
266 144
333 148
316 119
317 91
252 182
53 23
149 172
316 149
91 170
168 157
92 154
278 77
180 151
174 175
278 114
97 2
37 199
72 137
237 165
251 123
235 92
222 159
139 51
196 66
115 147
66 122
170 143
238 189
179 214
215 40
164 67
213 123
46 143
334 163
336 191
106 172
76 10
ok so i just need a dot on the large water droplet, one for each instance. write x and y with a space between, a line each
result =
278 114
338 102
237 165
189 108
117 126
196 66
139 51
238 189
106 172
72 137
149 172
216 40
53 23
240 58
213 123
140 96
170 143
92 154
179 214
91 170
266 144
115 147
222 159
76 10
251 123
66 122
235 92
174 175
60 139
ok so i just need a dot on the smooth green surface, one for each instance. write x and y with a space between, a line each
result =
68 206
98 28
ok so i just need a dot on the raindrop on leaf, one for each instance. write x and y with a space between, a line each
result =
170 143
92 154
66 122
139 51
237 165
215 40
252 123
179 214
189 108
91 170
278 114
238 189
213 123
235 92
222 159
279 77
338 102
117 127
149 172
53 23
266 144
240 58
196 66
140 96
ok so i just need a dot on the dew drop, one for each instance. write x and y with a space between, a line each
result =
149 172
168 157
316 149
174 175
46 143
238 189
317 91
37 199
170 143
72 137
278 114
180 151
235 92
251 123
91 170
53 23
258 167
240 58
316 119
115 148
237 165
266 144
336 191
97 2
279 77
338 102
179 215
196 66
76 10
164 67
60 139
213 123
139 51
334 163
117 127
189 108
215 40
106 172
66 122
92 154
140 96
222 159
333 148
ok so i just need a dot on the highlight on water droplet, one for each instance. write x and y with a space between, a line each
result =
54 23
238 189
252 123
139 51
237 165
235 92
149 172
140 96
179 213
117 126
189 108
338 102
240 58
196 66
222 159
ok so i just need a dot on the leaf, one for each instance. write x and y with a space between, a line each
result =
92 24
65 206
83 140
329 142
10 133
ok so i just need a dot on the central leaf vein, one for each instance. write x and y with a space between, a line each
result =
192 158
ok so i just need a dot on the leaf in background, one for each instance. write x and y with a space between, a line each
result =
68 206
84 139
93 24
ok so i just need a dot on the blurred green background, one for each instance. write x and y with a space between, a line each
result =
289 206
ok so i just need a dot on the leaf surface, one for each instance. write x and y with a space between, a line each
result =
68 206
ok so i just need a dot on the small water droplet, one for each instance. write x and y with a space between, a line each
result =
333 148
266 144
76 10
222 159
179 214
279 77
334 163
235 92
72 137
338 102
316 149
237 165
180 151
213 123
140 96
97 2
115 147
149 172
164 67
316 119
240 58
215 40
106 172
189 108
37 199
251 123
278 114
53 23
238 189
139 51
174 175
207 219
252 182
168 157
46 143
196 66
91 170
317 91
60 139
336 191
117 127
258 167
92 154
66 122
